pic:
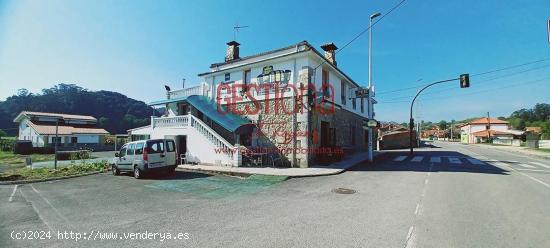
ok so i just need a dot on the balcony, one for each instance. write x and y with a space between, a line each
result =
174 121
201 90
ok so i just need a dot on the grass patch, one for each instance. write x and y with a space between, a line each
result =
44 173
10 158
539 149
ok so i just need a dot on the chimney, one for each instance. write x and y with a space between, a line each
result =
330 52
232 51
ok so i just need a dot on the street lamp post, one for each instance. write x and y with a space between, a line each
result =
369 99
56 140
464 83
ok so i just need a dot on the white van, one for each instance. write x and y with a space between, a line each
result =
143 156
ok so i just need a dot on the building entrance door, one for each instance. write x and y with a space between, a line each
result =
181 143
325 135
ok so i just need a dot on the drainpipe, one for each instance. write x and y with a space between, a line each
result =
294 117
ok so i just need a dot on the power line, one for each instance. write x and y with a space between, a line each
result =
365 30
473 75
476 92
509 67
478 82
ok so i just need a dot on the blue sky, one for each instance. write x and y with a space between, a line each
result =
135 47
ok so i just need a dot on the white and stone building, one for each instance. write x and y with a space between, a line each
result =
287 107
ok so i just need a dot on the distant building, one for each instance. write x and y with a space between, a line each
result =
485 129
433 133
72 130
139 133
535 130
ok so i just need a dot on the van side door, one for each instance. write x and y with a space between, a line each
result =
138 157
129 158
170 153
122 162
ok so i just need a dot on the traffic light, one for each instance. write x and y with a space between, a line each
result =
464 81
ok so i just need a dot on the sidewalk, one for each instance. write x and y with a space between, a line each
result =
332 169
516 149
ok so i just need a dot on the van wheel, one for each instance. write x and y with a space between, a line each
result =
115 170
137 173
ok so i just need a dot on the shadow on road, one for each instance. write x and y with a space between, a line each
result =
458 162
177 175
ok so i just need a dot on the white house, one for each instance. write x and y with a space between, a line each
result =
483 129
291 106
72 130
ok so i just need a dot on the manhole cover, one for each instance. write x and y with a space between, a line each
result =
343 191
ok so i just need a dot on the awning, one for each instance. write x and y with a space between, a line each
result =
165 101
231 122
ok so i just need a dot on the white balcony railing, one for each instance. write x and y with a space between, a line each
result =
201 90
175 121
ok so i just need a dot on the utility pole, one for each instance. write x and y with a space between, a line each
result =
369 99
488 127
451 131
55 144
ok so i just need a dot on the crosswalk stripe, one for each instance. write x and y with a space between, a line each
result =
454 160
498 163
400 158
535 170
435 159
526 166
475 161
417 159
541 164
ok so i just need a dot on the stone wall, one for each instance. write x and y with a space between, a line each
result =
278 129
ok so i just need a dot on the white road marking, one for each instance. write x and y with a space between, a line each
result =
475 161
416 209
37 212
534 170
411 238
48 202
13 193
454 160
535 179
435 159
541 164
400 158
501 164
526 166
417 159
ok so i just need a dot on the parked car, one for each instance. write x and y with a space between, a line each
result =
143 156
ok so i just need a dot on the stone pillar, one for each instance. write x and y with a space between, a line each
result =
237 156
304 78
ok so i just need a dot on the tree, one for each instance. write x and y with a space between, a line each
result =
442 125
541 111
2 133
109 107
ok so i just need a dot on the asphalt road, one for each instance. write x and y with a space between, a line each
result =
451 195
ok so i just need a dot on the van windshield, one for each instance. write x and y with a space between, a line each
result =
156 146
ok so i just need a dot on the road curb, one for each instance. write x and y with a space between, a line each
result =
520 152
245 174
49 179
